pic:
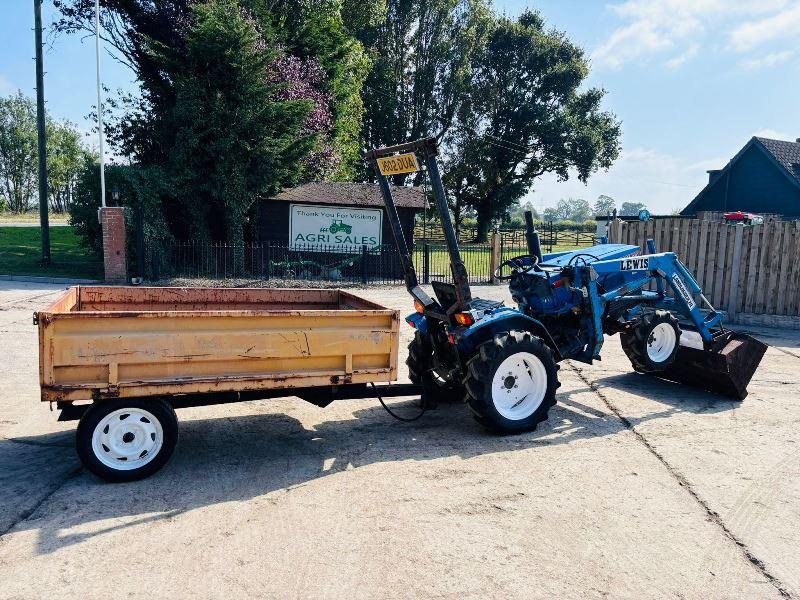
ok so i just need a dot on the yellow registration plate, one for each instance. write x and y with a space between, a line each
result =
400 163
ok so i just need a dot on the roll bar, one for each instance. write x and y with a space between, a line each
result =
428 150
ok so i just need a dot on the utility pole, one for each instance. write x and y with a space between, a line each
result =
40 126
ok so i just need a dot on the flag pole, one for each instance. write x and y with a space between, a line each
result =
100 105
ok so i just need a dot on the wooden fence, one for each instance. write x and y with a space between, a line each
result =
745 271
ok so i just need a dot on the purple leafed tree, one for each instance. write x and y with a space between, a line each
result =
304 79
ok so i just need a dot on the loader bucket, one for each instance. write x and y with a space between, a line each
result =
726 368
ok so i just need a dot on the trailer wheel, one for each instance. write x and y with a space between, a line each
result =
126 439
511 382
653 343
419 361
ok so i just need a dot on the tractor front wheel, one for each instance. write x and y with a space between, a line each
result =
420 362
511 382
653 343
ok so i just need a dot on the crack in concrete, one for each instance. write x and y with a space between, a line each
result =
26 514
8 305
713 516
792 354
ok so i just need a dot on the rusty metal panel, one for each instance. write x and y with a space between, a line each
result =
98 342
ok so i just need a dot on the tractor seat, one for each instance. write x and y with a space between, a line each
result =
481 304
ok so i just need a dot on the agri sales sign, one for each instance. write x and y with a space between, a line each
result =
335 228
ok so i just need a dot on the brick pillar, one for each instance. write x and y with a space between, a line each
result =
112 219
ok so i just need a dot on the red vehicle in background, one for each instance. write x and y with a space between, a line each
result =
743 218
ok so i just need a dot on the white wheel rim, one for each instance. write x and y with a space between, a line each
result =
519 386
661 342
127 439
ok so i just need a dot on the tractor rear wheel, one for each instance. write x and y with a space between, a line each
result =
511 382
420 362
653 343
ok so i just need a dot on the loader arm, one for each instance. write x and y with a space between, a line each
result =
664 267
723 362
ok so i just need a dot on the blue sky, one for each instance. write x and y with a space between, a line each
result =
691 80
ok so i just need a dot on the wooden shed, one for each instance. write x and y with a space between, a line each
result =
332 215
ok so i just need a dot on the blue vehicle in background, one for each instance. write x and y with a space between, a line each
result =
503 361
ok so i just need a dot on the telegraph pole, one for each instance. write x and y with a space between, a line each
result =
40 126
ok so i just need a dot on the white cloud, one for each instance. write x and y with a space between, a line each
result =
767 61
653 27
784 24
661 181
687 55
774 135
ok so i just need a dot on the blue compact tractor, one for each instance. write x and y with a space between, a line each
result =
503 361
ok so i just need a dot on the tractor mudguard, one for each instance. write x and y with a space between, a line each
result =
418 321
501 321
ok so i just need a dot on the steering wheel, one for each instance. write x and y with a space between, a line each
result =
517 266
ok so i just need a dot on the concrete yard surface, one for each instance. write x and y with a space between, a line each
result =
634 488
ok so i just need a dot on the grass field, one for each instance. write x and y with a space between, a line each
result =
476 258
31 218
20 254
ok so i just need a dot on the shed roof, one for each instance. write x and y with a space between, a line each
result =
351 194
784 155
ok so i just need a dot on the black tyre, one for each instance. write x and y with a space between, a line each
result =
126 439
420 361
653 343
511 382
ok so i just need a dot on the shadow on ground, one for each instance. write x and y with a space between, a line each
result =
248 456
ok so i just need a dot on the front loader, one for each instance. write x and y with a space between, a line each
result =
503 361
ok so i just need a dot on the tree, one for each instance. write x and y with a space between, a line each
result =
579 210
18 151
631 209
314 30
534 115
66 158
604 205
551 214
232 108
570 209
325 31
232 66
423 53
517 212
19 156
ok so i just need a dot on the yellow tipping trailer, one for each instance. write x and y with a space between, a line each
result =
137 352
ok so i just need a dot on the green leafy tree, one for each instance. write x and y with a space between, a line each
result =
631 209
228 67
238 98
536 117
517 213
66 159
551 213
19 155
18 152
423 56
311 30
604 205
325 30
576 209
